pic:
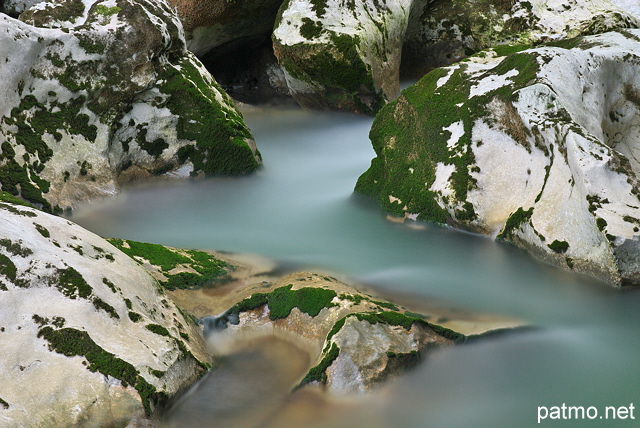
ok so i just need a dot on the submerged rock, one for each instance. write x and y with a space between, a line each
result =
357 340
96 94
88 337
442 32
341 55
538 147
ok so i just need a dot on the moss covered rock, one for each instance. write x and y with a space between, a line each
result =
341 55
357 341
92 90
442 32
87 325
538 147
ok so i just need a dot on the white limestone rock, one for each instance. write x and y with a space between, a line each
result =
548 158
88 338
341 54
369 351
94 93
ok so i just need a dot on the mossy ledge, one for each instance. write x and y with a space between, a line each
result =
183 269
282 300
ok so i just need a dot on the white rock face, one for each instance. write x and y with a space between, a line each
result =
77 349
548 158
342 54
91 90
443 32
372 352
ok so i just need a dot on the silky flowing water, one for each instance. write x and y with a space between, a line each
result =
300 209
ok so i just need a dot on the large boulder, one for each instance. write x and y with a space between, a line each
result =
96 94
88 337
538 147
442 32
341 55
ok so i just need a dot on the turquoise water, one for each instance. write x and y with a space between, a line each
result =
300 209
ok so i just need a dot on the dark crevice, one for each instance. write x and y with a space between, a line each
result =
248 71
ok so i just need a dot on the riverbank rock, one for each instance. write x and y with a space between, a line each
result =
96 94
442 32
538 147
343 55
359 340
88 337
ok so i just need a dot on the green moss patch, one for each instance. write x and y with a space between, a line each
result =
206 268
158 329
72 342
33 120
42 230
104 306
282 300
559 246
106 11
319 372
514 222
336 66
11 199
8 268
72 284
15 247
220 134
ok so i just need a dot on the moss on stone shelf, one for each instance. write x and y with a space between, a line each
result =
410 138
201 268
282 300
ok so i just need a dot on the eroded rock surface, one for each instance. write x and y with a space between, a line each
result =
88 337
99 93
538 147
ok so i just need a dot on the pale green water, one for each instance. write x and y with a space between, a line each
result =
299 209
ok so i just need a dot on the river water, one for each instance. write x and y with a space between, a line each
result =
300 209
